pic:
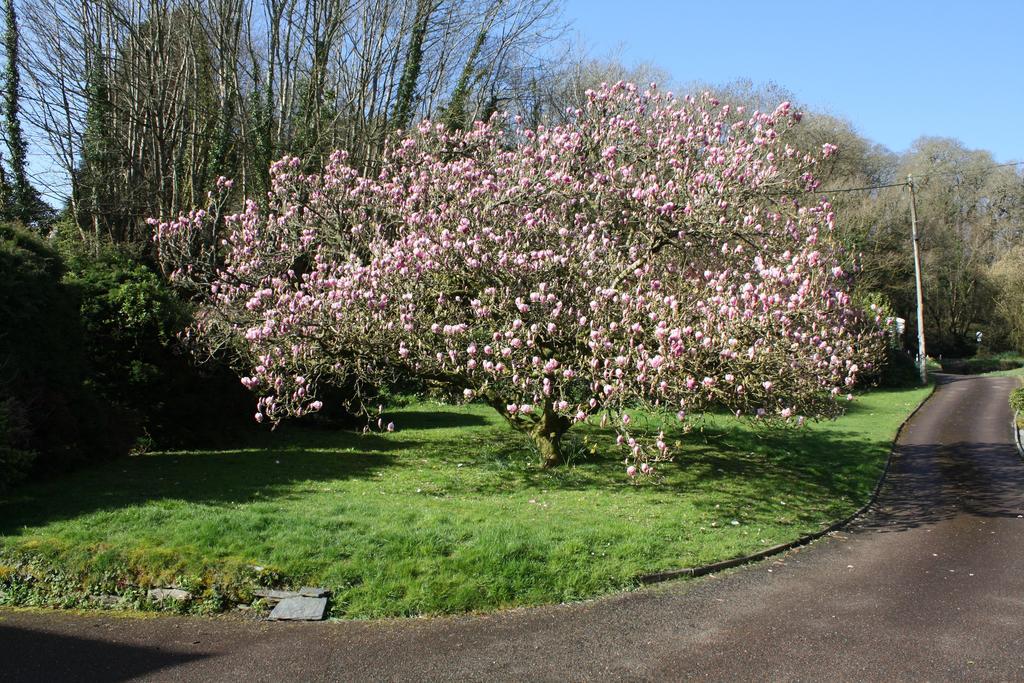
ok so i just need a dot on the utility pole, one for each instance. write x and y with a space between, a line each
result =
921 357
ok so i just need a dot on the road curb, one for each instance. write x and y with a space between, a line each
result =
668 575
1018 437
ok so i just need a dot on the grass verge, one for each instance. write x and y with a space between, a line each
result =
1007 362
448 514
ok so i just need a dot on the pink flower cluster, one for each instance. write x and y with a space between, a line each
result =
653 253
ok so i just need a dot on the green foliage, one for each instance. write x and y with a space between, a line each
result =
222 159
969 210
1008 275
95 183
23 203
877 303
450 513
89 362
1017 400
984 363
403 110
455 115
43 364
900 370
15 463
129 315
5 192
40 576
131 319
15 459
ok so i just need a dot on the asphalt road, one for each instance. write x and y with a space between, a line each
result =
928 586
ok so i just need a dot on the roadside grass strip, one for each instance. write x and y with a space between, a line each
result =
448 514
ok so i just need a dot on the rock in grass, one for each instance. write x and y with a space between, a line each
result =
308 592
176 594
273 596
299 609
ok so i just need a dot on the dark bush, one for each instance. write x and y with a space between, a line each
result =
131 319
982 363
44 365
90 364
899 370
15 458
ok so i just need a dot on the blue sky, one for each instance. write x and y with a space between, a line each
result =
897 70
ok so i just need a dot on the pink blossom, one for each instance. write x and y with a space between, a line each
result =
533 246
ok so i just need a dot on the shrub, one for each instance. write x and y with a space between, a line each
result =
1017 400
89 359
131 319
50 408
984 362
900 370
15 459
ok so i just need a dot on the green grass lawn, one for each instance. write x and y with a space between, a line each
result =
1018 372
1002 363
450 513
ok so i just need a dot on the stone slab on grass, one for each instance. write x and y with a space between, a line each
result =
299 609
309 592
273 596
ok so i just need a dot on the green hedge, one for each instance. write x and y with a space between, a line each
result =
90 364
50 418
16 458
1017 400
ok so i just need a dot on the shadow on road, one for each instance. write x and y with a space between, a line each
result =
30 655
935 482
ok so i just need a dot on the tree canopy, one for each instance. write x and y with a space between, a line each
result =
651 252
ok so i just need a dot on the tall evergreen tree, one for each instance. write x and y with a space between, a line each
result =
25 202
220 151
456 114
98 158
6 211
403 111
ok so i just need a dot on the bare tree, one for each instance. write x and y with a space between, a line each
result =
142 103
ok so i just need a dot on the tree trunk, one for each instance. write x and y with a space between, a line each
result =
549 444
546 430
547 435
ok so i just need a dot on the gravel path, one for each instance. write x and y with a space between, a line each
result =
928 586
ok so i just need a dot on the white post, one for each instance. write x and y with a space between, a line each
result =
921 357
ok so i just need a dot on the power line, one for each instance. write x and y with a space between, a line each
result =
906 184
857 189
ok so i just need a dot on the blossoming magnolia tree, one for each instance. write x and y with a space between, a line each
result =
655 253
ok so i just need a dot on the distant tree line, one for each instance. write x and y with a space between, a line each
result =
970 218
